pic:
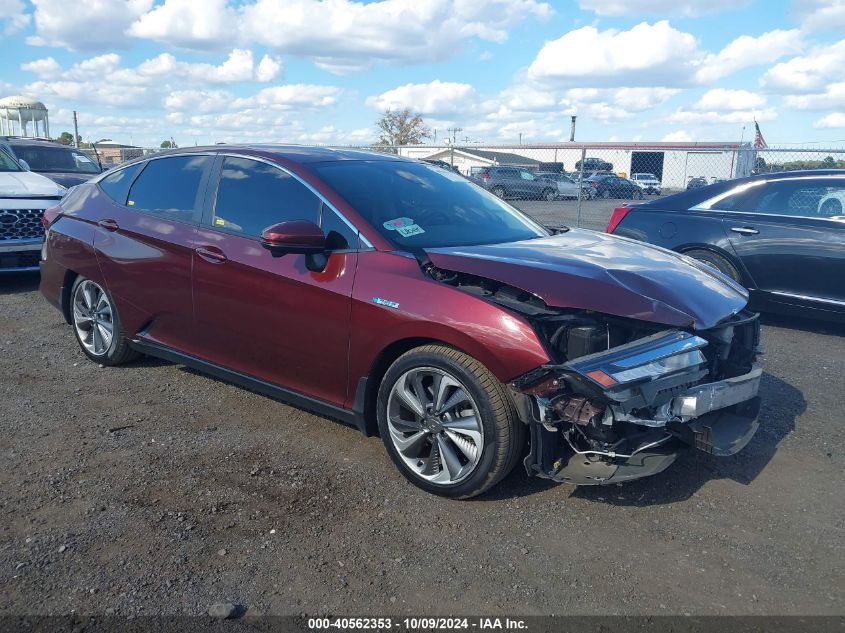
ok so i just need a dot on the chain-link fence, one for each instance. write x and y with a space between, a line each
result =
580 183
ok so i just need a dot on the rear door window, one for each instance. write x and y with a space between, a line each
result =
116 184
823 198
170 187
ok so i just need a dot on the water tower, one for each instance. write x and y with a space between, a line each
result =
23 116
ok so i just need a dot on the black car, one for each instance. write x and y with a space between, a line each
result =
613 186
63 164
697 183
593 164
782 235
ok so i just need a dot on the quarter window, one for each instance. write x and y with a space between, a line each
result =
170 187
253 195
116 184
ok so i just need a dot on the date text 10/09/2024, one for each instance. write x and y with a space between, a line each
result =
412 624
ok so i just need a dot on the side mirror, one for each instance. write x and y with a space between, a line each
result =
24 164
294 236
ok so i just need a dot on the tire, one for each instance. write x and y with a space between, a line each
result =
498 191
637 195
549 195
606 194
499 434
714 260
90 302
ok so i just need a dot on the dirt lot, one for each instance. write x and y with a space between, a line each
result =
151 489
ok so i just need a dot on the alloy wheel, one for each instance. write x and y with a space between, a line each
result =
434 425
93 318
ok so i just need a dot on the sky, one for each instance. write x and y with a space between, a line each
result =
312 71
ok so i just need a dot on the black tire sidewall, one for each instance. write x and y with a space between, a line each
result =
482 401
716 261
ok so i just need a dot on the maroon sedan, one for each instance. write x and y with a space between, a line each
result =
406 300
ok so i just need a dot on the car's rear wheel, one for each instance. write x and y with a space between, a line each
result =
714 260
447 422
605 194
96 324
549 195
498 191
637 195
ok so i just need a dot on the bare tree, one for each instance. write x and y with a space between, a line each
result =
402 127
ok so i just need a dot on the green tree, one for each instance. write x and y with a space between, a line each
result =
66 138
760 165
829 163
402 127
166 144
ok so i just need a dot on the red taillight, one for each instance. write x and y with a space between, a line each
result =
616 217
50 216
484 175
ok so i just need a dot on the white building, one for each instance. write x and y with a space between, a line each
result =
672 163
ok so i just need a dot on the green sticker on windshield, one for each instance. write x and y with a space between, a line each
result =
408 231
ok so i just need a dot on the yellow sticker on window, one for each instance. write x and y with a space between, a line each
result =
220 221
130 203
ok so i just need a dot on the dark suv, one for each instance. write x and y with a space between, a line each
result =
411 303
593 164
65 165
516 182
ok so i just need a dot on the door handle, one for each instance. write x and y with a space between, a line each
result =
108 224
745 230
211 254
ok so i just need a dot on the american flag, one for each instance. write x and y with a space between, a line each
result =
759 141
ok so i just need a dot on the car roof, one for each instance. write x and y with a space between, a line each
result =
12 140
293 153
687 199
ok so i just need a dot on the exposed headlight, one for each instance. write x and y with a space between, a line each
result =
645 359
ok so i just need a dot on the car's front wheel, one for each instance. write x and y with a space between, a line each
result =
96 324
549 195
447 422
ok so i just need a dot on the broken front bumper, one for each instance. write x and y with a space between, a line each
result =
626 413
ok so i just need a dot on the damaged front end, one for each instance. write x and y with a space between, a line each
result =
620 406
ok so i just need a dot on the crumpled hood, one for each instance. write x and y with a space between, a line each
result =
604 273
23 184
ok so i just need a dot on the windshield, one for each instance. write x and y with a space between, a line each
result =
414 205
45 158
7 163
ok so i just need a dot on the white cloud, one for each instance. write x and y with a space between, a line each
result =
46 68
832 120
821 15
647 54
13 16
726 100
341 35
188 23
747 51
716 117
832 98
268 68
432 98
687 8
807 73
678 136
96 25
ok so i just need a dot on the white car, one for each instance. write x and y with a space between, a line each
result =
23 197
647 182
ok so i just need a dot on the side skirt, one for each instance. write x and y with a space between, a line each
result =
326 409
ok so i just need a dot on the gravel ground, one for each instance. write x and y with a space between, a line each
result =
151 489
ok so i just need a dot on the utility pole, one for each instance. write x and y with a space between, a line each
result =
572 130
75 131
454 131
520 138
